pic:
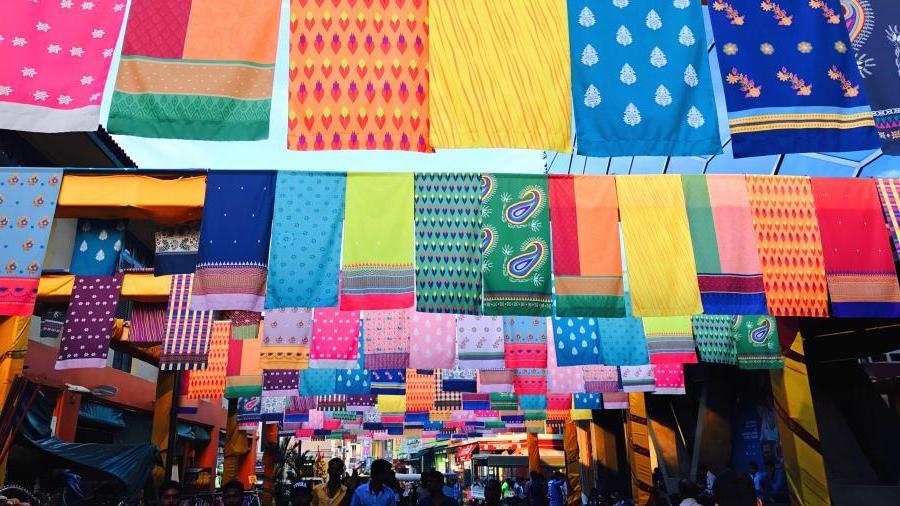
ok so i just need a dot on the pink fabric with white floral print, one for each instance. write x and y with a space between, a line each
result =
56 56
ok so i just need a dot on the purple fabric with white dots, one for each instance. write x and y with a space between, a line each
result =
89 322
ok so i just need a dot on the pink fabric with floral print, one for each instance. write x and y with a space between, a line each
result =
56 56
335 339
432 342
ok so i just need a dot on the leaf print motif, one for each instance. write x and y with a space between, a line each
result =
589 56
592 97
100 256
632 115
686 36
654 22
83 247
586 18
694 118
681 4
627 75
658 58
662 96
623 36
620 3
690 76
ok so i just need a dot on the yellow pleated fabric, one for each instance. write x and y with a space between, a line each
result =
658 252
500 74
392 404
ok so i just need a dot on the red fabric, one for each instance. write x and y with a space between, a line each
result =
157 28
851 223
564 225
17 295
559 401
235 349
522 355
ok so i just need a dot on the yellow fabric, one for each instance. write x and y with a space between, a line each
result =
500 74
142 287
658 252
13 345
132 196
639 442
804 466
392 404
581 414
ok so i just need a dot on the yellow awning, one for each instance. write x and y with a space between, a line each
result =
159 199
142 287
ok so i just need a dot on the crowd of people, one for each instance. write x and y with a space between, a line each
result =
382 488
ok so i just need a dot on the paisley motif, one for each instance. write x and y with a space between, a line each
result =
521 266
859 17
487 187
520 212
761 334
488 239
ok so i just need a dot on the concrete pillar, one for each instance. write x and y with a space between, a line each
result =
65 415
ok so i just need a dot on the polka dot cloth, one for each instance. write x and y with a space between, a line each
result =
89 322
432 343
335 342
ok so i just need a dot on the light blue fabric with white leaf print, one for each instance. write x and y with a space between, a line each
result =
97 247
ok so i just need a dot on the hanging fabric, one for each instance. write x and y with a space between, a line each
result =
432 341
89 322
448 262
875 37
725 253
234 241
889 192
530 381
479 342
496 380
637 378
287 334
280 382
420 390
359 75
500 85
378 248
525 341
317 382
622 340
98 244
715 342
650 92
565 380
244 324
26 213
197 69
658 250
386 335
243 373
56 57
791 83
576 341
601 379
389 381
756 342
357 379
787 233
148 322
335 339
176 249
587 262
459 380
670 340
209 383
305 251
186 339
515 241
859 262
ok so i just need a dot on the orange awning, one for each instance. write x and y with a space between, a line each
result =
159 199
143 287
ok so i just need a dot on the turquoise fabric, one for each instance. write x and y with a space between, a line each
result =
97 247
641 79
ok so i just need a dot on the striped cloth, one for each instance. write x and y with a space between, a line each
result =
148 322
889 192
186 339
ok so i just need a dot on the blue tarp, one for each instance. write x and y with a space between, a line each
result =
101 415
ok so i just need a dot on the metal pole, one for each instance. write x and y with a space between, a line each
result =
173 424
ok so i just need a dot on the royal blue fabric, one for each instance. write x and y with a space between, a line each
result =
777 61
237 217
305 253
641 80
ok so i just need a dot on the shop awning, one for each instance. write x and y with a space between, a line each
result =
465 452
99 415
490 460
159 199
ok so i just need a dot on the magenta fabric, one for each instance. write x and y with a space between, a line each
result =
335 339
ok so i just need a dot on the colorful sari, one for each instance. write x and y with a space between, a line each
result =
587 263
650 93
725 254
197 69
515 245
791 84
